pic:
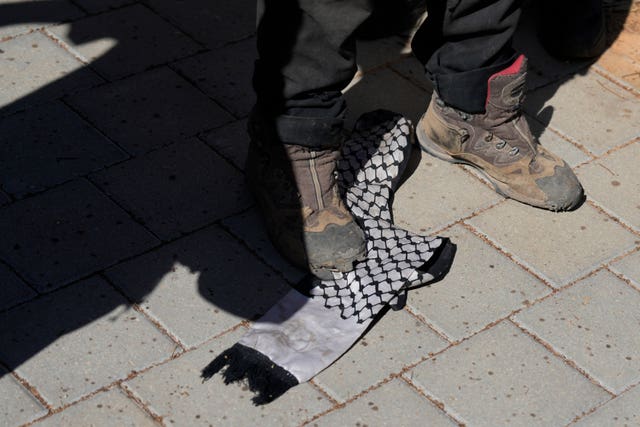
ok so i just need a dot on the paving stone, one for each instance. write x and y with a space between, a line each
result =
67 233
231 141
610 180
387 90
438 194
396 341
18 405
567 245
111 408
4 199
176 392
30 76
19 16
557 145
375 53
629 267
150 110
595 324
624 411
12 290
392 404
503 377
201 285
477 291
250 228
126 41
76 340
176 189
225 75
213 24
40 148
590 109
413 70
95 6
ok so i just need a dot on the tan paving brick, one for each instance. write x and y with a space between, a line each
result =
557 145
567 245
126 41
176 189
74 341
397 340
36 69
199 286
18 405
629 267
610 180
438 194
68 233
590 109
393 404
176 392
503 377
150 110
13 290
623 411
595 324
482 287
231 141
103 410
39 13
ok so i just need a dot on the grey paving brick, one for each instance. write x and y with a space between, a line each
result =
126 41
36 69
24 16
40 148
378 52
250 228
567 245
438 194
590 109
413 70
150 110
176 392
18 405
595 324
477 291
201 285
629 267
556 144
385 89
213 24
624 411
395 403
176 189
503 377
76 340
231 141
67 233
611 179
225 75
95 6
396 341
111 408
12 290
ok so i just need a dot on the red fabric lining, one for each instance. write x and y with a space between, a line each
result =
512 69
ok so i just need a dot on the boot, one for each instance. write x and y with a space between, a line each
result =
500 145
297 193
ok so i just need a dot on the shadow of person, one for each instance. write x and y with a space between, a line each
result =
231 282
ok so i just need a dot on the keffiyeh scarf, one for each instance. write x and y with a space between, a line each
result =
313 325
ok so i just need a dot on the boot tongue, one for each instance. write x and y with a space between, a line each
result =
505 89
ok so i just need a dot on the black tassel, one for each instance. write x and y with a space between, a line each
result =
268 380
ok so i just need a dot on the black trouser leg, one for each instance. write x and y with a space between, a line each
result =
462 43
307 54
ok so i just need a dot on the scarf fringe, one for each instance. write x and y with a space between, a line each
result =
266 379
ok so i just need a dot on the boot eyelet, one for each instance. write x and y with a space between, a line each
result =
514 151
488 137
500 145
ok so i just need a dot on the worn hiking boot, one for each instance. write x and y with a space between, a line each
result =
297 193
500 145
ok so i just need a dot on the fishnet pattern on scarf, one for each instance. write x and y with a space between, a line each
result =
372 162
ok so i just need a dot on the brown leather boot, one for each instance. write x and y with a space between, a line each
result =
500 145
298 196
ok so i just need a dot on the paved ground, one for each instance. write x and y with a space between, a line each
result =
131 254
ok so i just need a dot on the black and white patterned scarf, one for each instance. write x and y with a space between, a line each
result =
311 327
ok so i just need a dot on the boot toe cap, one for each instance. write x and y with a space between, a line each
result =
563 191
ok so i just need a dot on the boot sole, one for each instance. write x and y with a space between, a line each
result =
325 272
432 148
